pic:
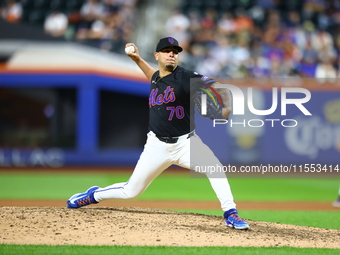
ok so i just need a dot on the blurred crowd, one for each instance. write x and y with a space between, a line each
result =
11 11
254 38
105 24
262 40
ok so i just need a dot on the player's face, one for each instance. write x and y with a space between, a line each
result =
167 58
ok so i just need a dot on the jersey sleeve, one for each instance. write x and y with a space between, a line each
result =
196 81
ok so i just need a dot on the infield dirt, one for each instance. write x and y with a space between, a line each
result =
148 226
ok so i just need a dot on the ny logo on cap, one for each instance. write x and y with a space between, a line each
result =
171 40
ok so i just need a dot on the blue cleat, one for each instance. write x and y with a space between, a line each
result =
234 221
82 199
336 203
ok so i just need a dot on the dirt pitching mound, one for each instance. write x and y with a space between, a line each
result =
145 226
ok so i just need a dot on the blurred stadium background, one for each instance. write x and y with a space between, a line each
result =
69 96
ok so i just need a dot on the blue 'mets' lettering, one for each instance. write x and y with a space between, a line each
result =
168 96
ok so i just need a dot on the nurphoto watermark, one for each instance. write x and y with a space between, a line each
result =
239 103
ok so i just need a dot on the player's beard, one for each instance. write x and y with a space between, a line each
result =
170 67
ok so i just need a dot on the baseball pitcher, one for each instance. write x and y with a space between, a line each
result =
174 92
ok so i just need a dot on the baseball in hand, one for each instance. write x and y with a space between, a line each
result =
129 49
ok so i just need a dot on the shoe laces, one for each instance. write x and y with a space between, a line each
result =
84 201
235 216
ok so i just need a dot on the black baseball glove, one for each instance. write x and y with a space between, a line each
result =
214 103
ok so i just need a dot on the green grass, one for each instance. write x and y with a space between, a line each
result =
328 220
181 187
167 187
135 250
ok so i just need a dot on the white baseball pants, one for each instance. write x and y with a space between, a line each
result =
158 156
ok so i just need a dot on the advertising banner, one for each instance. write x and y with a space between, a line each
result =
278 125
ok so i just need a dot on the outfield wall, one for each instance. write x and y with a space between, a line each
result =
250 139
272 139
